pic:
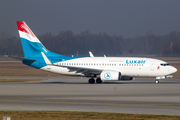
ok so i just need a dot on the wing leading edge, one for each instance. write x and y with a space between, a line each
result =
85 71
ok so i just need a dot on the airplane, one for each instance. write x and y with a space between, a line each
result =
97 69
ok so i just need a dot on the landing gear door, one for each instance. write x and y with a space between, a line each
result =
152 66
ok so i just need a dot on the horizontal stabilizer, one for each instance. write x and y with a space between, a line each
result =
20 58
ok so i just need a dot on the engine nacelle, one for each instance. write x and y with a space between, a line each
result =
110 75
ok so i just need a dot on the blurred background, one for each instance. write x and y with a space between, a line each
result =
114 28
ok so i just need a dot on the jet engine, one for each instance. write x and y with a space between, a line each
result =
110 75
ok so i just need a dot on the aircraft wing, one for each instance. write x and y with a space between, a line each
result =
85 71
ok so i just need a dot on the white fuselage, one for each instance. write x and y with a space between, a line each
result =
127 66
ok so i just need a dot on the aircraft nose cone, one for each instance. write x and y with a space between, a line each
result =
174 69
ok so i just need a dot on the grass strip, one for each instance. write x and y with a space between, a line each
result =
70 115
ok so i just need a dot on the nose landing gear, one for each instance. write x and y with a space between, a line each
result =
156 81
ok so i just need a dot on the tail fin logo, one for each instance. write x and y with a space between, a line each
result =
24 28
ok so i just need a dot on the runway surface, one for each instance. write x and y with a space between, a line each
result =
75 94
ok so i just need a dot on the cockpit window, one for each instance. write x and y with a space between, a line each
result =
164 64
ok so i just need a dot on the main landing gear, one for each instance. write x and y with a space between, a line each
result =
98 80
92 80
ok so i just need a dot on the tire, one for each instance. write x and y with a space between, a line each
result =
156 81
98 80
91 81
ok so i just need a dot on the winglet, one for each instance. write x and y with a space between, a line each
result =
90 54
47 61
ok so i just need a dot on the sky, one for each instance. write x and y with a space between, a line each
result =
129 18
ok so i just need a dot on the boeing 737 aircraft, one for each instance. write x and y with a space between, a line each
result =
98 69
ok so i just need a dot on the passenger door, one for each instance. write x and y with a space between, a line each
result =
152 66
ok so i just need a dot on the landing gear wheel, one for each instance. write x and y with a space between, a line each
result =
156 81
91 81
98 80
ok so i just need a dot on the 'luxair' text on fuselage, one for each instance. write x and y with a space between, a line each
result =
135 61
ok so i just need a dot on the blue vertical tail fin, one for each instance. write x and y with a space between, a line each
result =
32 47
